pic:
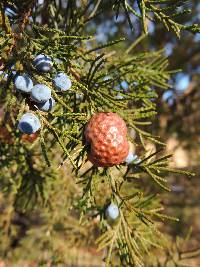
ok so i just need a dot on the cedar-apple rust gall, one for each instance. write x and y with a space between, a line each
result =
105 137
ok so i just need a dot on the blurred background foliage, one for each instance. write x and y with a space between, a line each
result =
178 124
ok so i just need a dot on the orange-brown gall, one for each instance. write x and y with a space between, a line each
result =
105 136
30 138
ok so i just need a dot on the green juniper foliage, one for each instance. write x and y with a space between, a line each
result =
163 11
52 199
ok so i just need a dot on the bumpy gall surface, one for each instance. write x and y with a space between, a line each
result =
105 135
